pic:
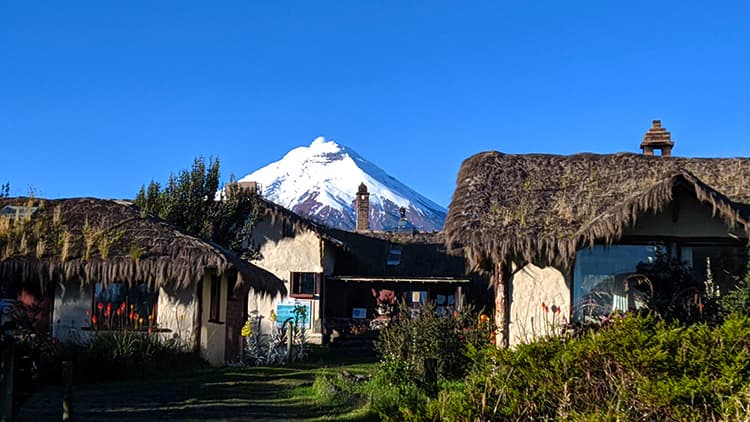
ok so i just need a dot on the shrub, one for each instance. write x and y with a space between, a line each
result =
737 300
639 367
261 349
404 381
114 355
429 335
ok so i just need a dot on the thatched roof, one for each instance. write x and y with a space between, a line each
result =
542 208
97 240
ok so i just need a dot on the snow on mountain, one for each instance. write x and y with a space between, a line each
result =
320 182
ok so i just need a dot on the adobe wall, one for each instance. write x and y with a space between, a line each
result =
532 286
281 256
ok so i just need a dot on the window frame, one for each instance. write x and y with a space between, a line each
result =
295 283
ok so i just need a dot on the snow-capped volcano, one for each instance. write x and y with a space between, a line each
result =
320 182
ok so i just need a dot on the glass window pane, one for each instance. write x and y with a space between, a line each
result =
599 286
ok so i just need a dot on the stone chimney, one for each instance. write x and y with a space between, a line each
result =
251 186
363 208
657 138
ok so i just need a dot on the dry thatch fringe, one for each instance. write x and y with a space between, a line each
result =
167 256
543 208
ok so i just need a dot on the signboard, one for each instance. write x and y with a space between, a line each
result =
285 311
359 313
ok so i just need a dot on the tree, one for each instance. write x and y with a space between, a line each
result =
5 190
189 201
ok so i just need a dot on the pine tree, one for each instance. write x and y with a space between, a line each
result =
188 201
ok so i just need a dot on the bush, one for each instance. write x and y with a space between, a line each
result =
639 367
115 355
737 300
404 381
428 335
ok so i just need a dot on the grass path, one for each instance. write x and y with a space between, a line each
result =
207 394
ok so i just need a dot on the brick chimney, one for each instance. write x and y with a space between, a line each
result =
363 208
657 138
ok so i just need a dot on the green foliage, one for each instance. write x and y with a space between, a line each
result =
188 201
5 190
114 355
738 299
428 335
401 387
639 367
674 292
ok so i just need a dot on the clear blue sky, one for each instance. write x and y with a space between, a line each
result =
99 97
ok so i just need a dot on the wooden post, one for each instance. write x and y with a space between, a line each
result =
289 341
6 380
501 281
431 376
67 375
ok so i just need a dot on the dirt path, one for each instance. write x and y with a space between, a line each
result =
270 394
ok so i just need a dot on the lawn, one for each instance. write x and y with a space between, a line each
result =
232 394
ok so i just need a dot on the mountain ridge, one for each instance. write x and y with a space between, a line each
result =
320 182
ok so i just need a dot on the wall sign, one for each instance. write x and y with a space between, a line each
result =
359 313
284 311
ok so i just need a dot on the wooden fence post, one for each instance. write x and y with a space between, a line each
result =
7 370
289 341
67 374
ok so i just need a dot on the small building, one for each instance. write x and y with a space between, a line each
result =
563 233
339 275
84 265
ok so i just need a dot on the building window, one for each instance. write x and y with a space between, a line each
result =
118 306
394 255
600 275
214 310
305 285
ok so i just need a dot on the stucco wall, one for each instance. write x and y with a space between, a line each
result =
531 287
283 255
176 312
694 219
213 333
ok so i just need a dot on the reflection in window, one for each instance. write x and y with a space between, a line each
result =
599 279
727 263
118 306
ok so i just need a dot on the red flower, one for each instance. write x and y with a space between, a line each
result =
119 311
109 307
93 319
88 312
544 306
100 306
150 330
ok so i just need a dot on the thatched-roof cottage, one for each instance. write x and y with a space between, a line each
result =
541 224
92 264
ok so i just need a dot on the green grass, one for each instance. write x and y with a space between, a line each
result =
234 394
